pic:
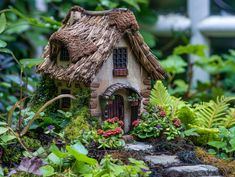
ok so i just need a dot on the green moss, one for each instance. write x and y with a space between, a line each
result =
45 91
78 125
31 143
82 99
12 154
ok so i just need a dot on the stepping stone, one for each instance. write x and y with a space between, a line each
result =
139 146
210 176
191 171
163 160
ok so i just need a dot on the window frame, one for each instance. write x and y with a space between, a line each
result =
64 54
120 61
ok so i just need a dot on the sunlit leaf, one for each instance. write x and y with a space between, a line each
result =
2 44
81 157
174 64
2 22
47 170
80 148
3 130
30 62
190 49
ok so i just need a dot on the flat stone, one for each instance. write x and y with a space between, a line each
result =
139 146
210 176
191 171
163 160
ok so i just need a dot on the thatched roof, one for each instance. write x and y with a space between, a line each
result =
89 38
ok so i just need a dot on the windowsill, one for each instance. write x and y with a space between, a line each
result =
120 72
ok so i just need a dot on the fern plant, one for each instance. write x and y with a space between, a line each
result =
229 120
213 114
159 95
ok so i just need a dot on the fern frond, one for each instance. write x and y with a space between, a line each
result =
210 114
159 95
229 120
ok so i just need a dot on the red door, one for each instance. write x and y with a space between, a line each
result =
116 108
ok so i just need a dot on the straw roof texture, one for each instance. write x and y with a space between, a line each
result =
89 37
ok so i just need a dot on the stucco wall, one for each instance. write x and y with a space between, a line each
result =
105 78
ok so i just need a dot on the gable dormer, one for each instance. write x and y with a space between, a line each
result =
59 53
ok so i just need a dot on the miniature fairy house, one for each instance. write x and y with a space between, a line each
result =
105 52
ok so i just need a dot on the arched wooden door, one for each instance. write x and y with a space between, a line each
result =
115 108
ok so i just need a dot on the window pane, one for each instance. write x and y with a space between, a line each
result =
64 54
120 58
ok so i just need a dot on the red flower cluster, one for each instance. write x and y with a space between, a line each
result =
176 122
115 120
108 133
100 132
135 123
162 113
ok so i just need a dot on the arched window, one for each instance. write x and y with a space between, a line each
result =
64 54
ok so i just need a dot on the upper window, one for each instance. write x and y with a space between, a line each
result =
64 54
120 58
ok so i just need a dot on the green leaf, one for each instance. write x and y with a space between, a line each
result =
54 159
2 44
47 170
4 50
212 151
174 64
57 152
80 148
217 144
81 157
159 95
39 151
190 49
5 138
3 22
3 123
1 171
149 38
3 130
30 62
132 3
232 143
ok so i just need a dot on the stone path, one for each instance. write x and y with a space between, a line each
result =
171 166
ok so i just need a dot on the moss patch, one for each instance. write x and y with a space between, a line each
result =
45 91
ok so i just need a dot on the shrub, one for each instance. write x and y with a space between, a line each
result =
156 123
78 125
110 134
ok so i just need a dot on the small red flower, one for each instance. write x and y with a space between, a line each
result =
100 132
136 122
113 120
162 113
121 123
118 130
176 122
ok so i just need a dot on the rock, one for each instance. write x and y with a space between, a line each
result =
128 138
191 171
139 146
210 176
163 160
